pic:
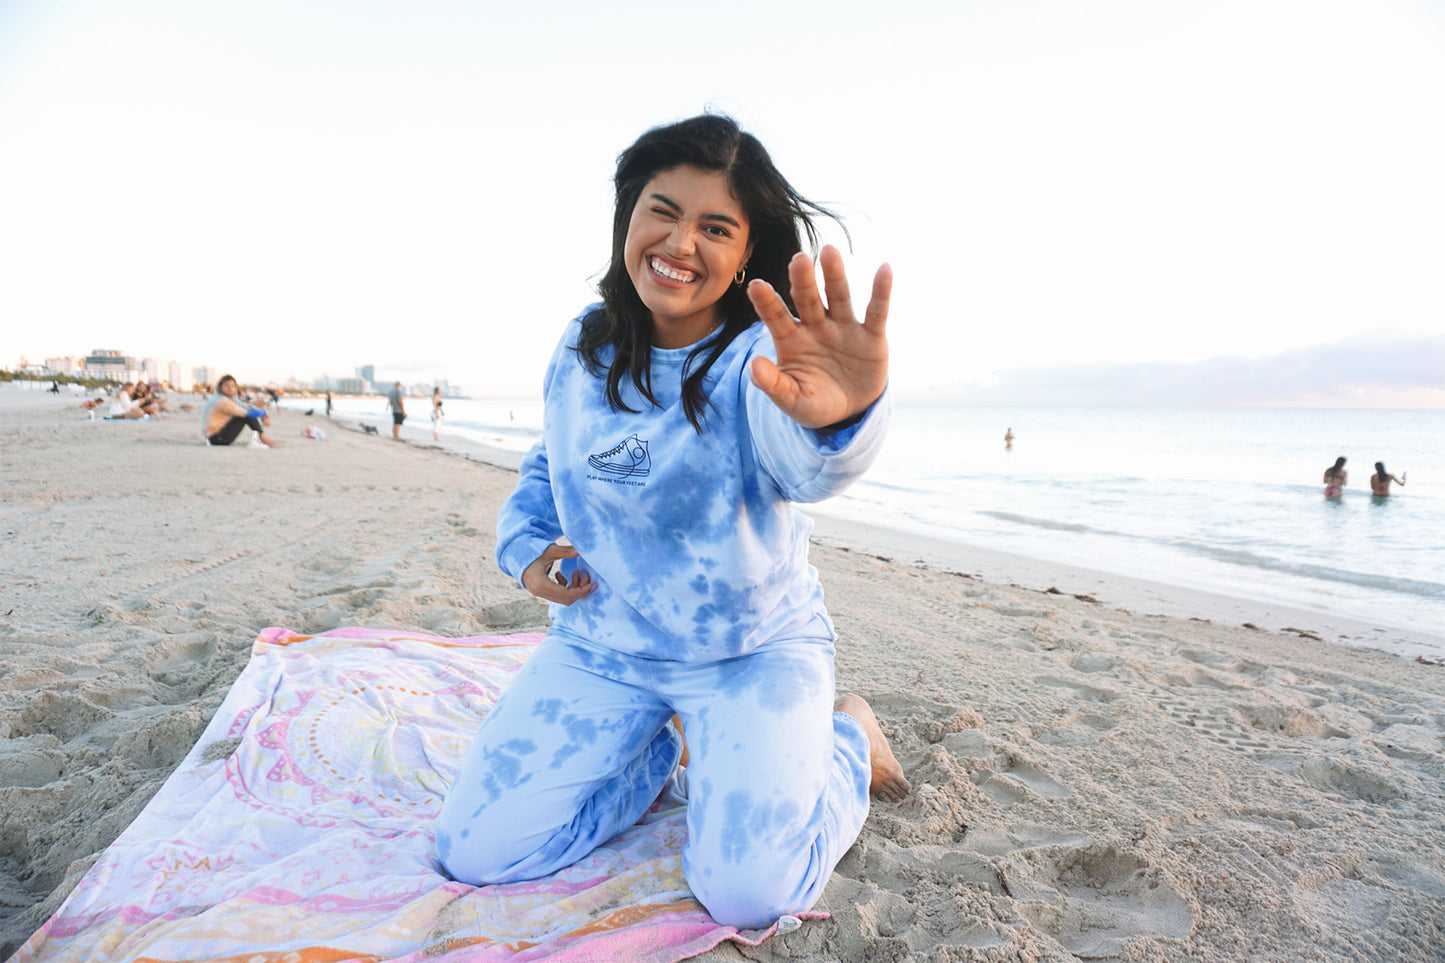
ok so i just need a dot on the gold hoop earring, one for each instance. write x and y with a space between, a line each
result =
741 276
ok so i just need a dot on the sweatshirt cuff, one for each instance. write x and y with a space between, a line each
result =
519 553
872 422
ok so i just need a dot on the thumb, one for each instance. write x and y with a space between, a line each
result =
555 551
771 381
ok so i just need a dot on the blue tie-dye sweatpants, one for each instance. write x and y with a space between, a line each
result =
579 747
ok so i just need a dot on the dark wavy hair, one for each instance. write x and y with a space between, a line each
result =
778 217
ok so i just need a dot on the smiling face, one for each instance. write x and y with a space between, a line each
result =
686 240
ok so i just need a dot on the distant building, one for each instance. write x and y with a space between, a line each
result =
108 363
350 386
63 366
150 369
204 375
176 375
367 373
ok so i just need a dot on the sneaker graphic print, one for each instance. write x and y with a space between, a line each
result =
627 458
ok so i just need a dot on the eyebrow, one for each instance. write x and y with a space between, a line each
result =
664 199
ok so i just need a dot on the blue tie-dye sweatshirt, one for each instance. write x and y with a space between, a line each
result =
691 539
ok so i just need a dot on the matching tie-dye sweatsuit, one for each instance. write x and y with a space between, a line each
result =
705 605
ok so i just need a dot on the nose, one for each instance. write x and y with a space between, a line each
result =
681 241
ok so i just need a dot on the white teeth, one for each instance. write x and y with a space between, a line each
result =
659 266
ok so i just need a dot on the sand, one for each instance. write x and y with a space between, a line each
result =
1092 780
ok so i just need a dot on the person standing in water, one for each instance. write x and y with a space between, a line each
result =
1008 438
1380 480
1335 478
712 387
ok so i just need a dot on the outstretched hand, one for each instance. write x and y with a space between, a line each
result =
536 578
829 366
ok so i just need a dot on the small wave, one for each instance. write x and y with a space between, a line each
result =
1048 523
1311 570
868 483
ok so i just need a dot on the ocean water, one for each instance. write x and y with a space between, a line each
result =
1227 500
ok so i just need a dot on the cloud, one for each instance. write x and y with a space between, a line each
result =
1362 371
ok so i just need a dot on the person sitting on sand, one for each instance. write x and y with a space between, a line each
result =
1380 480
684 414
1335 478
123 404
147 400
224 416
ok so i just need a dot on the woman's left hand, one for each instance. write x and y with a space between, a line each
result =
829 366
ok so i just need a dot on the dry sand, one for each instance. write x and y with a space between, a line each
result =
1089 782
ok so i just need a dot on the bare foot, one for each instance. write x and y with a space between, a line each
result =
887 780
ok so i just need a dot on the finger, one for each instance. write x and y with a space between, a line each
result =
771 309
566 596
804 285
835 284
875 319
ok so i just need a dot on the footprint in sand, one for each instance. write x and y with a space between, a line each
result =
1215 724
1094 900
1019 781
1080 690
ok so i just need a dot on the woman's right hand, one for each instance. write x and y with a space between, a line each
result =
556 588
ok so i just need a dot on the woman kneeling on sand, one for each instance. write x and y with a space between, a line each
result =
684 413
224 416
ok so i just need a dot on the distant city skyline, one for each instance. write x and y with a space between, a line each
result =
130 367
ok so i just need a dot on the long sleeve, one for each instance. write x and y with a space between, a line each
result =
805 465
527 522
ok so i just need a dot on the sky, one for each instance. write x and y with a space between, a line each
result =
1108 202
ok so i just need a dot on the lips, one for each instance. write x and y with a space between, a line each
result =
664 269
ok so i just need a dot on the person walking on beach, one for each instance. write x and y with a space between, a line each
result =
684 413
223 417
436 414
1380 480
398 410
328 402
1335 478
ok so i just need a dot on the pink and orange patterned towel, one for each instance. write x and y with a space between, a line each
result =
300 829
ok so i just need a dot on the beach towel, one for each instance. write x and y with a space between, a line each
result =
300 828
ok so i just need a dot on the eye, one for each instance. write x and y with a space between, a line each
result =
717 230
